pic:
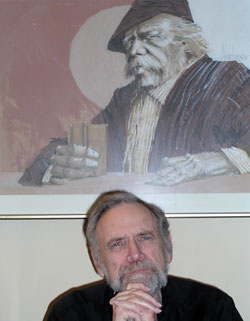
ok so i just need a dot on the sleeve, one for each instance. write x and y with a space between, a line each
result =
115 115
66 314
53 317
226 311
240 99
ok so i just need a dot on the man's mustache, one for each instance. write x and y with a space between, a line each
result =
147 63
137 267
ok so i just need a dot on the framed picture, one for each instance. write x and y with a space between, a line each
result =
75 206
103 95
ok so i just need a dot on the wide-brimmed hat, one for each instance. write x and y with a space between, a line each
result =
142 10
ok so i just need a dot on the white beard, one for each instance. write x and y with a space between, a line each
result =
155 281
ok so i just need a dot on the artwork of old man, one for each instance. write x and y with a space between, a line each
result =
183 116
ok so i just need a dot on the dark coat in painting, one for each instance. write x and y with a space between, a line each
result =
207 109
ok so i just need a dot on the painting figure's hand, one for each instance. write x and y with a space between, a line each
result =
135 303
72 162
189 167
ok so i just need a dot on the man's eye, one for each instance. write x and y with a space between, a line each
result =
128 42
153 36
117 244
144 237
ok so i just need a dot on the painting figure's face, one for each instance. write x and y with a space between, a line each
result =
131 248
152 53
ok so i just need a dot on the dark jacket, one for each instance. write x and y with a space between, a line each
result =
207 109
182 300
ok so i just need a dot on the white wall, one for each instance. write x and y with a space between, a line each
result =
42 258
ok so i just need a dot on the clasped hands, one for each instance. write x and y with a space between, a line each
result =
135 303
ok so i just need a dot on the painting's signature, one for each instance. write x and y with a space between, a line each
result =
229 53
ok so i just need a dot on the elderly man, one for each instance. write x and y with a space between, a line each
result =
181 101
184 115
130 246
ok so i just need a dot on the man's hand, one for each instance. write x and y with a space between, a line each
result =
135 303
71 162
189 167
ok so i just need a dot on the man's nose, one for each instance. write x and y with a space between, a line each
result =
134 251
137 48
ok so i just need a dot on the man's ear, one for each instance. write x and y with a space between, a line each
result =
96 264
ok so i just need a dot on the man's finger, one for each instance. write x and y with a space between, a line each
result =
133 294
141 286
136 297
136 304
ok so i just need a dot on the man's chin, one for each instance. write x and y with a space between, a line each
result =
148 80
146 277
138 277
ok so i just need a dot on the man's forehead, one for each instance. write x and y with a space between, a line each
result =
139 230
126 213
162 21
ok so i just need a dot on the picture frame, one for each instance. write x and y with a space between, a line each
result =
174 205
177 202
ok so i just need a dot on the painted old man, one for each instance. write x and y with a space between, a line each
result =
183 116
